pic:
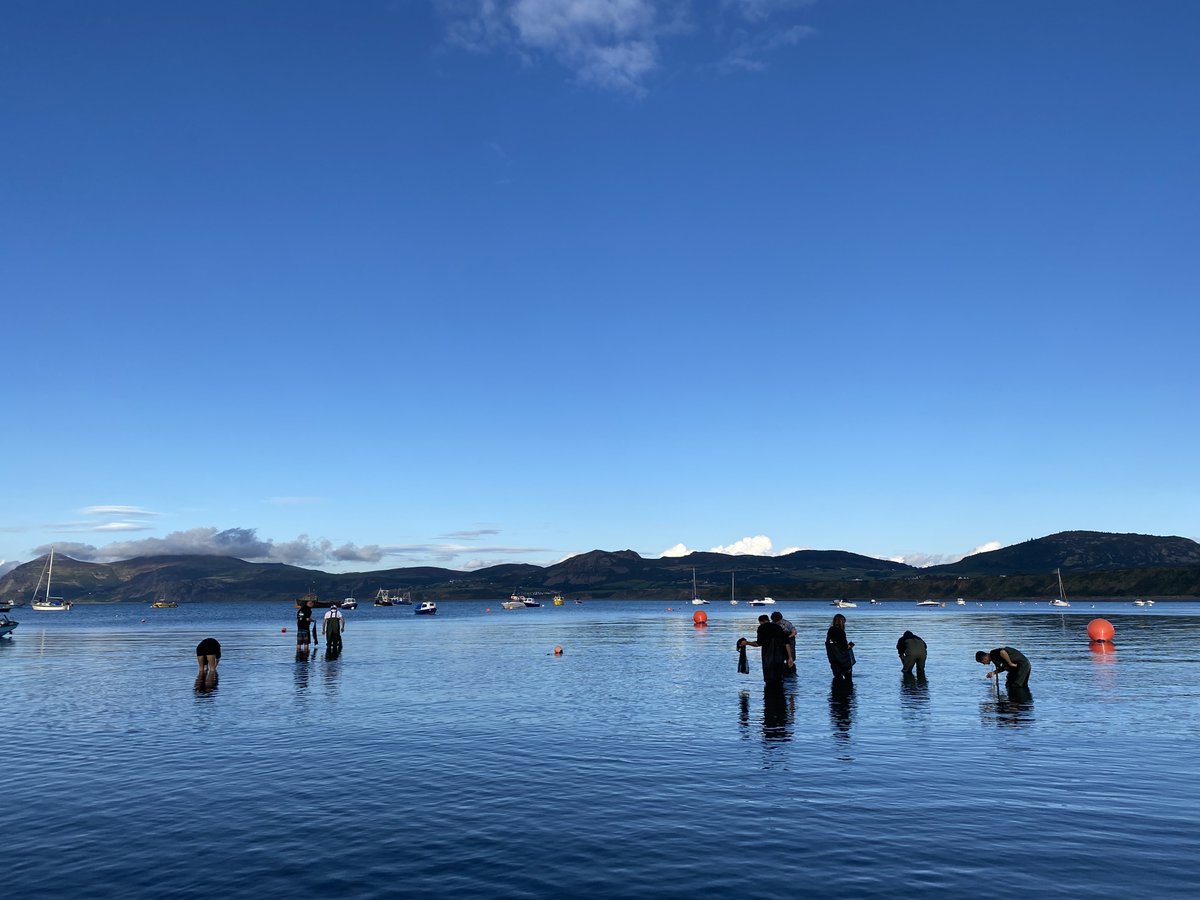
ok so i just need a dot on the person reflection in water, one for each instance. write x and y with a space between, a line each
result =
1010 660
841 706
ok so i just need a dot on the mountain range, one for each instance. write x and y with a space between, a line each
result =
1094 564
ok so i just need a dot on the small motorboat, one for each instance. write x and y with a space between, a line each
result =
764 601
164 604
425 608
843 603
530 602
7 625
512 603
349 603
928 603
960 602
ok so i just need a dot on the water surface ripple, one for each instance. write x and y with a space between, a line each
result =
459 756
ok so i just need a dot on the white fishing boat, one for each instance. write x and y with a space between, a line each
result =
7 625
43 602
843 603
513 603
1061 599
928 603
349 603
762 601
696 601
426 608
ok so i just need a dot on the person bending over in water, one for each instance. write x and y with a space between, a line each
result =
1010 660
912 652
208 654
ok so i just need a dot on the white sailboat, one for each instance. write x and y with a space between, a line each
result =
732 592
696 601
1061 600
46 603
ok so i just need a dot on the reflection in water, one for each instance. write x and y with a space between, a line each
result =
1011 709
779 712
778 716
914 696
841 708
300 677
1104 668
206 683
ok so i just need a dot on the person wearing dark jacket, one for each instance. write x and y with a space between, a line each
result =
1010 660
777 659
839 650
912 652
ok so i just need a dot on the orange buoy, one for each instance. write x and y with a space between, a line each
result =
1101 630
669 609
700 617
558 651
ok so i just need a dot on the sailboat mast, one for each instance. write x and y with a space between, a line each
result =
49 573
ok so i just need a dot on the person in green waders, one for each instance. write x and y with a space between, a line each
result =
334 625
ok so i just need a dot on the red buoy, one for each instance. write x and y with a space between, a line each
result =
1101 630
700 617
558 651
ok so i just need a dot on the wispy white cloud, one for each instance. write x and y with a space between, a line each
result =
620 44
136 512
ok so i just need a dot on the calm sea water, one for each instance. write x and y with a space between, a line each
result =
458 756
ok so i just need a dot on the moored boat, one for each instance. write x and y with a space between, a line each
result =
164 604
761 601
843 603
44 602
1061 599
426 608
349 603
928 603
7 625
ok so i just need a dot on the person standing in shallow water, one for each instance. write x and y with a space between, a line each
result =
1010 660
303 622
912 652
839 650
335 624
789 631
777 659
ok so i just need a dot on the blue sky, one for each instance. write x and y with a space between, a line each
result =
407 282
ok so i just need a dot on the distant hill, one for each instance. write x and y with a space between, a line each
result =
1079 551
1095 563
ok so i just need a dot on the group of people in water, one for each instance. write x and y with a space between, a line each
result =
333 626
776 638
